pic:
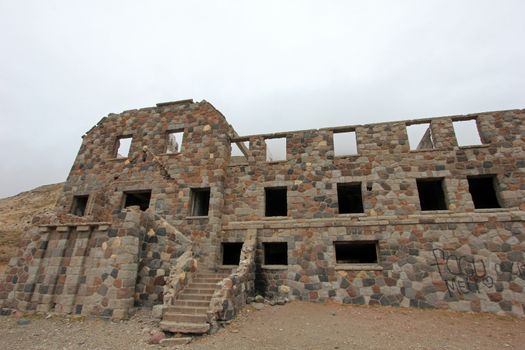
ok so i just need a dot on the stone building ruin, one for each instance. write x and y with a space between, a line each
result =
157 211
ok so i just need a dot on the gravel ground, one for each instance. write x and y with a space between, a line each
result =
296 325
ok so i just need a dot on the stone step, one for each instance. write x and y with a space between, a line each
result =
206 280
202 285
169 342
181 327
184 318
207 291
194 297
188 310
191 303
211 275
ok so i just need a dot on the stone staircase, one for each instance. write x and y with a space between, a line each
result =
188 314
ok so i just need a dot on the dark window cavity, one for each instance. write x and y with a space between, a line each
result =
79 205
357 252
200 201
349 198
483 192
431 194
122 147
275 253
275 201
140 198
231 253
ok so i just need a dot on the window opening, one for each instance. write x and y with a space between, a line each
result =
237 151
275 201
467 133
79 205
483 191
420 136
357 252
345 143
140 198
174 142
231 253
200 201
431 194
275 149
123 146
275 253
349 198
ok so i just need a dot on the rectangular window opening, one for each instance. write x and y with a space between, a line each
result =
349 198
275 149
356 252
467 133
79 205
345 143
483 191
174 144
275 201
431 194
123 146
200 201
231 253
420 136
137 198
240 149
275 253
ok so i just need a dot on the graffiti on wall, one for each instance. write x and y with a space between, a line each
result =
465 274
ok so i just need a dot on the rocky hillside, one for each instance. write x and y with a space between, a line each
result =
16 213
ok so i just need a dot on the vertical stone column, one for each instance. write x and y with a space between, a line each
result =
43 296
111 270
257 150
74 272
443 133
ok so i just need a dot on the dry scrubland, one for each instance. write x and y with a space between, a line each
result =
16 213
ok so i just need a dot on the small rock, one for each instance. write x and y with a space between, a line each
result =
259 299
284 290
5 312
23 322
281 301
273 303
156 311
258 306
156 338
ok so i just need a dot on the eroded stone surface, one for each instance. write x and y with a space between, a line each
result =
109 260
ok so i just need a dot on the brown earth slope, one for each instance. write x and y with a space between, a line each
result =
16 213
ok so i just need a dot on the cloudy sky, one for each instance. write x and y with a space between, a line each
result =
267 65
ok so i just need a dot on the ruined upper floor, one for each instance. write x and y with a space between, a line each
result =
181 152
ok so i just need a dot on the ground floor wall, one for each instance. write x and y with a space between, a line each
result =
469 263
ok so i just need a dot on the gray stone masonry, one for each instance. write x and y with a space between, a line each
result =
388 250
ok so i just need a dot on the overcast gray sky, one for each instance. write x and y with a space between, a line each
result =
267 65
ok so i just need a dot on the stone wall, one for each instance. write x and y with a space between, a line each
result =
460 257
464 263
202 162
417 249
85 269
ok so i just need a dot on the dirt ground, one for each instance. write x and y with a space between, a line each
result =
296 325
